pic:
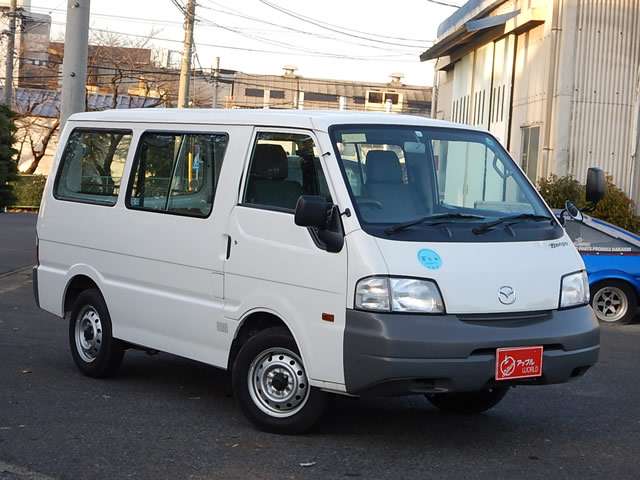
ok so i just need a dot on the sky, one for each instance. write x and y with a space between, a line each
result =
401 30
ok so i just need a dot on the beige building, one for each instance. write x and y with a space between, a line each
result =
557 81
290 90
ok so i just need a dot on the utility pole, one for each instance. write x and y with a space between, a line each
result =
74 63
11 45
215 83
185 69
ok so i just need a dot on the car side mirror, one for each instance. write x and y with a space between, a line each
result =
322 218
596 185
312 211
573 211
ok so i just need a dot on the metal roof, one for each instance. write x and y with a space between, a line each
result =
472 8
46 103
464 25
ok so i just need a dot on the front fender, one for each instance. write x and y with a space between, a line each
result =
602 275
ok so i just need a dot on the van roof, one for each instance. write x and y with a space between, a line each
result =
312 119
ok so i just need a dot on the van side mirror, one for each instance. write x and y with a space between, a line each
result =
322 218
312 211
596 185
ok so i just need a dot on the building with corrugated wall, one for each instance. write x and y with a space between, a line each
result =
557 81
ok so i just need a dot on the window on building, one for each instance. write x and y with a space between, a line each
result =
254 92
358 100
283 167
375 97
276 94
393 97
320 97
529 151
92 166
177 172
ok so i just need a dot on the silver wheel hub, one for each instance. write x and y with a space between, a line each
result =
88 334
610 304
278 382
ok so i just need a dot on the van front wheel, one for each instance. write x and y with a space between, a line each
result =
94 350
468 403
270 384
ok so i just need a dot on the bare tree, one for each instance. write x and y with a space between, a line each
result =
122 65
35 130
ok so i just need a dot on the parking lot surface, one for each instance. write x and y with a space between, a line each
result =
17 240
167 417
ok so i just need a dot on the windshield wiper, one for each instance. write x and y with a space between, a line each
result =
510 220
436 219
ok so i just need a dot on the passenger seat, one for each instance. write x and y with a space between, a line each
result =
386 185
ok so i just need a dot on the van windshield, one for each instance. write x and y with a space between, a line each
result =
430 177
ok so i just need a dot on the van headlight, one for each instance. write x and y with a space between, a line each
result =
574 289
392 294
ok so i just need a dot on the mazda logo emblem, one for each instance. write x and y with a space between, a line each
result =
506 295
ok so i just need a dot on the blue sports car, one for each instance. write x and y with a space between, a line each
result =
612 257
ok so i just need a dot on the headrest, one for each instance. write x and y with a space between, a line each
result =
270 161
383 166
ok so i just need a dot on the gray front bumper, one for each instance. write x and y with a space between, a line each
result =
388 353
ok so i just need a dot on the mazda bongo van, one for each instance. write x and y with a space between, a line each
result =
311 253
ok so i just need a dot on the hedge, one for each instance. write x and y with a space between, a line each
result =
28 190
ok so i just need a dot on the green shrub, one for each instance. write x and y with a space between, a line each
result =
8 164
28 190
616 207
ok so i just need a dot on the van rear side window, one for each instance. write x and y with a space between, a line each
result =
92 165
176 172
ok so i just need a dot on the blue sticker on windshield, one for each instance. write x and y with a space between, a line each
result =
429 259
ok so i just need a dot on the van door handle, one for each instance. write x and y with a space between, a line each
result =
228 247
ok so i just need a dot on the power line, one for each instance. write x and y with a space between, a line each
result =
288 45
341 30
236 13
390 37
440 2
257 50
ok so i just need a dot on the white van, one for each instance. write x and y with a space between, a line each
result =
311 253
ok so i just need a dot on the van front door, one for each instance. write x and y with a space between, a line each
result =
276 266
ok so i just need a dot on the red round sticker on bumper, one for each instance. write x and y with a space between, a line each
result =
518 362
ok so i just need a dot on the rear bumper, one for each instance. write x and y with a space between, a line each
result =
34 278
388 353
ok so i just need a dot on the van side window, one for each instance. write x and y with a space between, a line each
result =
283 167
176 172
92 165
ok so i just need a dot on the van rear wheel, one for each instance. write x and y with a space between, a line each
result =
94 350
271 386
468 403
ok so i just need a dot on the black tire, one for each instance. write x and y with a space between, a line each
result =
617 288
309 410
468 403
108 351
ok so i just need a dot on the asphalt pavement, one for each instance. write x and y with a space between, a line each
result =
165 417
17 240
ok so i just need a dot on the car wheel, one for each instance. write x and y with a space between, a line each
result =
271 385
94 350
614 302
468 403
